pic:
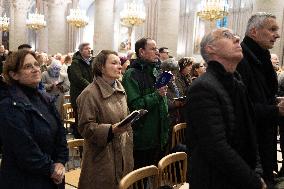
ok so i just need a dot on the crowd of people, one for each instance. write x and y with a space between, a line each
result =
228 100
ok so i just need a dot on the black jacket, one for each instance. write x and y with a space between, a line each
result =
223 150
80 75
30 143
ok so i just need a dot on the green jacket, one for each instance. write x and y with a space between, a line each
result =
150 131
80 76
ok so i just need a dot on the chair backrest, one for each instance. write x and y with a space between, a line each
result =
172 169
145 177
178 134
67 98
75 159
68 111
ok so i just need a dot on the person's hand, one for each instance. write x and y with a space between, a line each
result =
58 173
163 91
280 106
122 129
263 185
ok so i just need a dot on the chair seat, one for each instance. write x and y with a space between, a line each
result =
71 120
182 186
72 177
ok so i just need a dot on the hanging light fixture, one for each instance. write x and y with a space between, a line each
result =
4 23
133 14
35 21
77 18
212 10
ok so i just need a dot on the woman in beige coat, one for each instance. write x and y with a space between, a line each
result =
107 154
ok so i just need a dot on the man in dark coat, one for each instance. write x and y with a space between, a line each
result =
80 76
261 80
221 133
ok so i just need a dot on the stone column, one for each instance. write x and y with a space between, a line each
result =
275 7
152 11
42 35
104 25
57 26
18 29
168 24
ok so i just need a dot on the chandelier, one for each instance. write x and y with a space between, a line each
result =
213 9
4 23
133 14
35 21
77 18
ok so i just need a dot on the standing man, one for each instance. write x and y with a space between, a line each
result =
80 76
221 137
151 131
261 81
164 53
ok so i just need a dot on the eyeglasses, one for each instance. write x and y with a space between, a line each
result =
30 66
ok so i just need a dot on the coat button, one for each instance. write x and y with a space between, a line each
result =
14 103
40 115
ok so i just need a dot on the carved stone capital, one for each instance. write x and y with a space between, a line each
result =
59 2
22 5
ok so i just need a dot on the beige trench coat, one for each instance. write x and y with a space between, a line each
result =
104 163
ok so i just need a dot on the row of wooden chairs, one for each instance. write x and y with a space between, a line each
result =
171 171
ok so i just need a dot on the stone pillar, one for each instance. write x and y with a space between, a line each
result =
42 35
168 24
18 29
104 25
151 8
275 7
57 26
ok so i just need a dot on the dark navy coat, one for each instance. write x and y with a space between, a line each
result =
29 147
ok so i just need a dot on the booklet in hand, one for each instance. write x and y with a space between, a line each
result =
134 116
181 98
163 79
60 83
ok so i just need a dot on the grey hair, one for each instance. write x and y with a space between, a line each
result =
206 40
82 45
256 20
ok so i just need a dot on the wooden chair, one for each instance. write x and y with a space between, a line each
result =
172 169
68 116
73 167
178 134
138 178
67 99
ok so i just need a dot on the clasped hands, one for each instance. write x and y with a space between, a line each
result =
58 173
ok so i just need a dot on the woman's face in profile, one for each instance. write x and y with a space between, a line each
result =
112 68
29 74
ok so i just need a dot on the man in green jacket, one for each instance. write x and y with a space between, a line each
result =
150 131
80 76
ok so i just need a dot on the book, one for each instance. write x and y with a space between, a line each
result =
181 98
134 116
163 79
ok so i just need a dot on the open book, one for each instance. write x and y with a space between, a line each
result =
181 98
163 79
134 116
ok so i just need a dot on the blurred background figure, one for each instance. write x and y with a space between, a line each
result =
183 78
275 62
56 84
197 70
164 53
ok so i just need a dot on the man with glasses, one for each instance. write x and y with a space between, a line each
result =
261 81
150 133
221 134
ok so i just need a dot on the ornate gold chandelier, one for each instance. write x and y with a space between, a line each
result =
35 21
213 9
77 18
133 14
4 23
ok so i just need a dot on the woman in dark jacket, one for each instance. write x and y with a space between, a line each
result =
33 138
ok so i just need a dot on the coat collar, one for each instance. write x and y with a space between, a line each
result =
106 89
